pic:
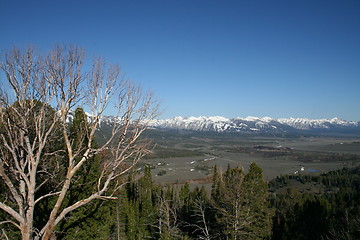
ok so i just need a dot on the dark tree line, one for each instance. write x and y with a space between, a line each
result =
333 213
237 208
241 207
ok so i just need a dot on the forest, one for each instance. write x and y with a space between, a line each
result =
240 206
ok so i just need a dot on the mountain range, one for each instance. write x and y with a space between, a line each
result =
258 125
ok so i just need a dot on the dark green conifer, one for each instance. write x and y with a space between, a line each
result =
94 220
241 203
256 204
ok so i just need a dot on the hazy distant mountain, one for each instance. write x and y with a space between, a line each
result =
258 125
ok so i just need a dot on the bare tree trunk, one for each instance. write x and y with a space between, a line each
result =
26 232
117 222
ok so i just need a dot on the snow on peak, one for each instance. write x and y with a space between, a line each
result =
219 119
250 124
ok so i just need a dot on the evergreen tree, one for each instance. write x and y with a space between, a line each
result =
94 220
230 203
216 185
185 211
147 204
241 203
256 205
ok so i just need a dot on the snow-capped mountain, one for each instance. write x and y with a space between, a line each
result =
243 125
256 124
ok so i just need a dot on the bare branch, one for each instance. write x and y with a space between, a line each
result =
4 234
45 196
11 222
12 212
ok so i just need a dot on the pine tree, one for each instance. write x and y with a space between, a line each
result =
216 186
231 202
147 209
186 201
94 220
256 205
241 204
138 210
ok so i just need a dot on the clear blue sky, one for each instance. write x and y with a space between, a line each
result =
201 57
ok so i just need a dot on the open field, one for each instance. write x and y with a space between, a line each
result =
181 156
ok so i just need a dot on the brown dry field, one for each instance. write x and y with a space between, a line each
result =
189 157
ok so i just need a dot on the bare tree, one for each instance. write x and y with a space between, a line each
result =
168 219
202 224
346 227
42 91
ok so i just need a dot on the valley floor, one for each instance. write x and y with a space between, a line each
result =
190 157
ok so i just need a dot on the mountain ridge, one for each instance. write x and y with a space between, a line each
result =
256 124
